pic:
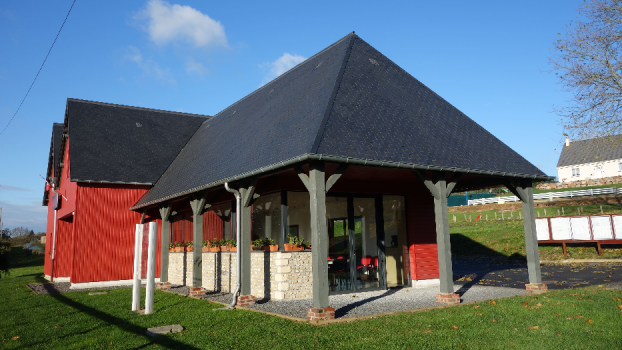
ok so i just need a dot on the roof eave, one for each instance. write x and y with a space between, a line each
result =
347 160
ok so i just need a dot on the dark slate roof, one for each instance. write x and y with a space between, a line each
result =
54 157
123 144
347 101
593 150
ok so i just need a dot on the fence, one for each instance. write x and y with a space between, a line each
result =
549 195
602 229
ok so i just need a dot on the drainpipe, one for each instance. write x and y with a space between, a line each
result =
54 235
238 199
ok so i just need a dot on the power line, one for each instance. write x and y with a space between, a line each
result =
40 68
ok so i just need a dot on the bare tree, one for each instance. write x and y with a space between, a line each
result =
588 61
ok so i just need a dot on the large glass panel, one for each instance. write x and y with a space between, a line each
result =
365 241
396 240
298 215
339 276
267 217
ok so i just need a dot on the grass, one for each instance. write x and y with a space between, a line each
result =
504 239
567 319
536 191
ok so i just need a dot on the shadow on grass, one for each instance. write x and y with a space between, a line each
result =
122 324
483 260
20 258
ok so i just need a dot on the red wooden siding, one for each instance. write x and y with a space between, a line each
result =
64 248
47 266
182 227
104 243
422 236
212 226
66 188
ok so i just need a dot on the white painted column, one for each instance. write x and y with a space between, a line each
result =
138 243
151 266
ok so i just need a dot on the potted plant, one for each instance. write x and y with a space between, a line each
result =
224 245
189 246
233 245
269 245
295 243
214 245
178 247
307 245
257 244
171 247
205 247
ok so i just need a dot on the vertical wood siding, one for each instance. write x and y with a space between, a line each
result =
104 243
212 226
422 235
64 248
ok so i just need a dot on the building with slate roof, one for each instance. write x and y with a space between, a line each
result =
346 151
590 159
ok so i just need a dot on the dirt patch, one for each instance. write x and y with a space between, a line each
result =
538 204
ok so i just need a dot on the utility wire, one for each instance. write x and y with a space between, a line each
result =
40 68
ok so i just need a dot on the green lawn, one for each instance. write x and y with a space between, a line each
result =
536 191
504 238
570 319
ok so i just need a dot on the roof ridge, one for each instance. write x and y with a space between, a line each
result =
139 108
284 74
329 107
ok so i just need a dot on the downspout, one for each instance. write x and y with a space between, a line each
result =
238 199
53 244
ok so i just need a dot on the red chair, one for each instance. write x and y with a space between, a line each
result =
366 260
375 261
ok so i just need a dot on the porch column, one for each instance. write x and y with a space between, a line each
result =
440 190
197 203
165 213
244 245
319 242
524 191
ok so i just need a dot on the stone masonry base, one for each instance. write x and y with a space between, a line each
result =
448 298
320 313
163 285
195 292
536 288
246 300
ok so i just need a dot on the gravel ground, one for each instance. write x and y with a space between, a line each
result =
376 302
63 287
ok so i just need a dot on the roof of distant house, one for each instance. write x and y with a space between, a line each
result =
347 101
593 150
123 144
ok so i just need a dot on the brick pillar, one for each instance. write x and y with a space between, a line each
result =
246 300
536 288
448 298
315 314
196 292
163 285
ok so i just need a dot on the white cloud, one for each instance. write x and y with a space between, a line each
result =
170 23
149 67
194 67
11 188
280 66
33 216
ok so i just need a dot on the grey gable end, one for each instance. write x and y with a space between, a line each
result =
348 102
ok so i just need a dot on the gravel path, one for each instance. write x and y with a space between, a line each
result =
376 302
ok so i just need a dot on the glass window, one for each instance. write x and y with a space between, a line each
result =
396 240
575 172
267 217
619 166
299 215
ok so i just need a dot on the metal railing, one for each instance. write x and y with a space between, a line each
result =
549 195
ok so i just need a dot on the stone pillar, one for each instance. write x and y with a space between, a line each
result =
319 242
197 204
525 190
165 212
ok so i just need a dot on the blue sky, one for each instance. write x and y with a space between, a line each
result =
487 58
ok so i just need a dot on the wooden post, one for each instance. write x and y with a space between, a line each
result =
197 204
563 211
165 213
319 234
601 208
244 245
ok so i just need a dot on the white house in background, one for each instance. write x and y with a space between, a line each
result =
590 159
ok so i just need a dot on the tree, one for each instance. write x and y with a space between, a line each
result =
588 62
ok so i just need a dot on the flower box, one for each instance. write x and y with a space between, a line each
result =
205 249
291 247
179 249
233 249
224 248
171 250
189 249
271 248
256 248
214 249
